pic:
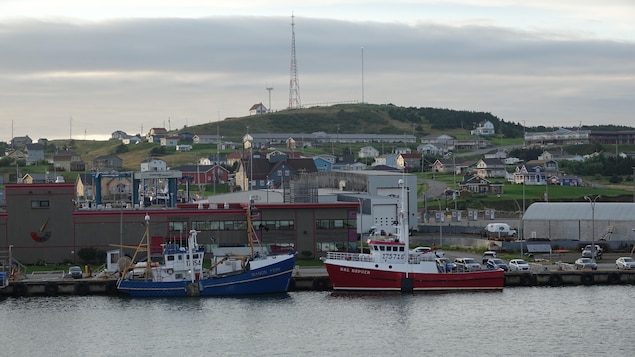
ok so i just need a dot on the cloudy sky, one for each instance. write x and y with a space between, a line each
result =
87 68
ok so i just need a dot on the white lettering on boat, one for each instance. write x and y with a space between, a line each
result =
355 270
266 272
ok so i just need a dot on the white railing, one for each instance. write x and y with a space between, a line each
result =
349 256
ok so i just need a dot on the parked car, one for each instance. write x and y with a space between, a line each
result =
445 265
587 253
626 263
75 272
518 265
496 263
489 255
467 264
427 252
585 263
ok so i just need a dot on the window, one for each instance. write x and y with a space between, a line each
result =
178 226
335 223
278 225
40 204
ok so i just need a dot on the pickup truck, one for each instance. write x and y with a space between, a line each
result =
587 253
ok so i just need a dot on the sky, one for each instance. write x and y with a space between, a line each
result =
84 69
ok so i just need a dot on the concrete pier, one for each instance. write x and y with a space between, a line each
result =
316 279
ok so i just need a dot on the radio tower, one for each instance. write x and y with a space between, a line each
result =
294 86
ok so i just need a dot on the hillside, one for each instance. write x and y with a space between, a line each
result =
350 118
353 119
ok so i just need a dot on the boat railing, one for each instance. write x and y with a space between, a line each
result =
416 259
349 256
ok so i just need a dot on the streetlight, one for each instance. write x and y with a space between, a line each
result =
441 220
521 214
592 202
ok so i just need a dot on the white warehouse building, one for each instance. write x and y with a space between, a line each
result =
580 221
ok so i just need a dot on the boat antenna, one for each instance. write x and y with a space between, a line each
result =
403 222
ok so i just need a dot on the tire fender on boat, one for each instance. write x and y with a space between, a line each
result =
170 271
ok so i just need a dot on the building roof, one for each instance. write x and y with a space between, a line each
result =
580 211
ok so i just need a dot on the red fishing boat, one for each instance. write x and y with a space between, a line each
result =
390 266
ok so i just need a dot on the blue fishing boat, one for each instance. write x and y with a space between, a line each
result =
181 272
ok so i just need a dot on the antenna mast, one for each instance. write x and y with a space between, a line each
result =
294 86
269 89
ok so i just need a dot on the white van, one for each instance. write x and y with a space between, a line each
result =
498 230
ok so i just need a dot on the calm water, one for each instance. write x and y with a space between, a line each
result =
586 321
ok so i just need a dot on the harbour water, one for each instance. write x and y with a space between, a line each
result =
587 321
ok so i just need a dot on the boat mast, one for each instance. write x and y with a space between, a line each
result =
403 223
190 244
250 228
148 259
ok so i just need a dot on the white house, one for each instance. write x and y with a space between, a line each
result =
391 160
484 128
403 150
204 139
368 151
257 109
495 154
131 140
154 165
431 149
170 141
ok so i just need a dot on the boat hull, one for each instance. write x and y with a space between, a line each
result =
271 275
367 278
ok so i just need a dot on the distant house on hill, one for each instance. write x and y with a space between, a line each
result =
35 153
170 141
107 163
131 140
21 141
490 168
154 164
257 109
204 139
155 135
119 135
68 161
484 128
368 151
392 160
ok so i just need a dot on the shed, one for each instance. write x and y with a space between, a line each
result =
580 221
